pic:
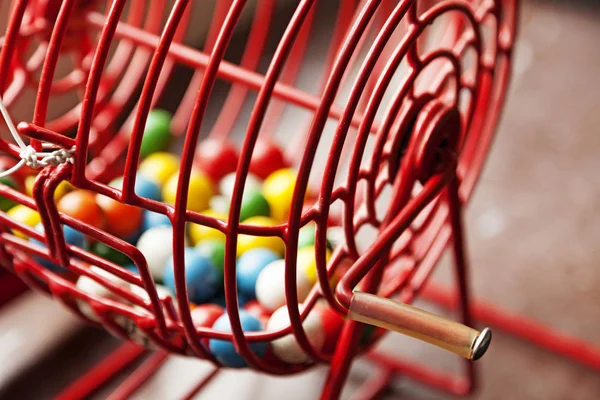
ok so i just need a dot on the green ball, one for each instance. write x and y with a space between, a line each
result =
306 237
254 204
214 250
157 133
5 203
110 254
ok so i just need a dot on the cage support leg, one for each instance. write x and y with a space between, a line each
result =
342 360
461 268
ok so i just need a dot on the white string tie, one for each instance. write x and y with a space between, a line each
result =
31 157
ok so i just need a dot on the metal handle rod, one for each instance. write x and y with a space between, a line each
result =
420 324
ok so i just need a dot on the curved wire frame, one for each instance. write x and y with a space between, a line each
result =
393 72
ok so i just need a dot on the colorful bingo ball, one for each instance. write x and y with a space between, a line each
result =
220 204
159 167
270 286
200 275
216 158
254 308
254 204
199 233
287 348
249 266
226 184
205 315
24 215
81 205
214 249
144 187
5 203
224 351
108 253
157 132
332 325
248 242
278 189
307 262
72 237
151 219
266 158
63 188
199 194
307 237
222 300
122 220
97 290
156 244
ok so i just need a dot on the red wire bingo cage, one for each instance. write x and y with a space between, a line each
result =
404 109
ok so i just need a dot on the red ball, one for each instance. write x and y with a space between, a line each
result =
266 159
332 326
205 315
216 158
253 307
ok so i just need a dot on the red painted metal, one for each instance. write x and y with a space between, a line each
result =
429 142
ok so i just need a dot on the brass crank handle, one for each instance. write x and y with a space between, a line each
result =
411 321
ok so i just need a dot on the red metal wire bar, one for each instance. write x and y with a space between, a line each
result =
104 371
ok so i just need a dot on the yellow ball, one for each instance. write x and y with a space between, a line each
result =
278 189
199 233
199 193
29 181
308 264
247 242
24 215
63 188
159 167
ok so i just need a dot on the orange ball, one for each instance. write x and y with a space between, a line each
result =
81 205
122 220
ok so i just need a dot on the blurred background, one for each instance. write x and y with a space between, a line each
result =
533 235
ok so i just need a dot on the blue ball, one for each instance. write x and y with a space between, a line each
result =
200 275
132 268
224 351
146 188
72 237
220 300
143 187
249 266
151 219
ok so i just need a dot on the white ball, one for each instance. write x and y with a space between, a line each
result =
219 204
270 285
95 289
227 182
287 348
162 291
156 244
135 334
336 236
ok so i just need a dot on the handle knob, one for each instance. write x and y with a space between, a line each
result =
420 324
